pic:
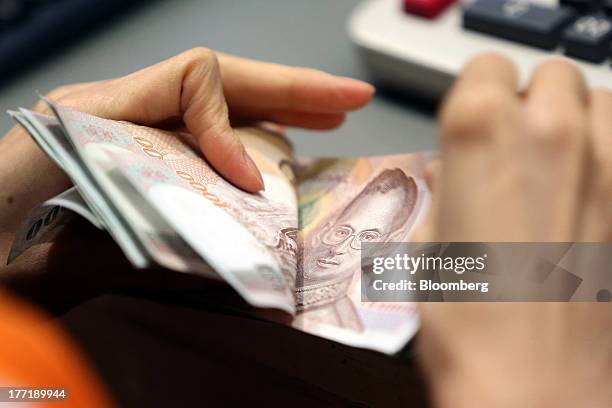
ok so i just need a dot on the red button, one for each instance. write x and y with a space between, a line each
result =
426 8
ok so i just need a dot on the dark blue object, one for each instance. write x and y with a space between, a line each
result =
588 38
31 29
583 6
518 20
607 6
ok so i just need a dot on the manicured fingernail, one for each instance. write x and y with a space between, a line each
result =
253 168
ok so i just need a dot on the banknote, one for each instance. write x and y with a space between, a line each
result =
145 239
165 190
43 223
344 203
48 133
295 246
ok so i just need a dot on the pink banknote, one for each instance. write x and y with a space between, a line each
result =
295 247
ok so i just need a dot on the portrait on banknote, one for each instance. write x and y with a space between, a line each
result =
330 254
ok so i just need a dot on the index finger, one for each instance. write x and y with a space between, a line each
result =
486 88
255 84
488 69
479 122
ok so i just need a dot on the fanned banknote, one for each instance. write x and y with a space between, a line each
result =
295 247
345 203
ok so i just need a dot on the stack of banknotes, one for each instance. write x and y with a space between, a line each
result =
294 247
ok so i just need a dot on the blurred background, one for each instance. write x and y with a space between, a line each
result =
87 40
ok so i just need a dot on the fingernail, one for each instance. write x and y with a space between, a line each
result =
355 83
253 167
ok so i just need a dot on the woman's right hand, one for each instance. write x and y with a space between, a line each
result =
532 166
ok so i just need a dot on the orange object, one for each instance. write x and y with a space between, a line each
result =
35 353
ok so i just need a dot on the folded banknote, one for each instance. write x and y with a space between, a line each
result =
295 247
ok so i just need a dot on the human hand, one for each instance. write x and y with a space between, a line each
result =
207 92
524 166
204 91
521 166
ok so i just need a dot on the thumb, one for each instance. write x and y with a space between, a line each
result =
187 86
206 116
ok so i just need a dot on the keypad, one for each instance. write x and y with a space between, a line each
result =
581 28
518 20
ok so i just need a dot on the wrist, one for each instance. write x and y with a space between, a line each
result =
27 178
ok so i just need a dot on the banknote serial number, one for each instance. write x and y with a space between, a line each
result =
30 394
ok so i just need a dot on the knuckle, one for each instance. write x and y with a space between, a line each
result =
557 64
561 130
488 59
471 115
291 93
216 112
564 73
200 74
200 54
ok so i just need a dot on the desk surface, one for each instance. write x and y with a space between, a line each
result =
308 33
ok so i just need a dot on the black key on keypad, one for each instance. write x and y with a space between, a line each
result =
11 10
583 6
607 6
518 20
588 38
